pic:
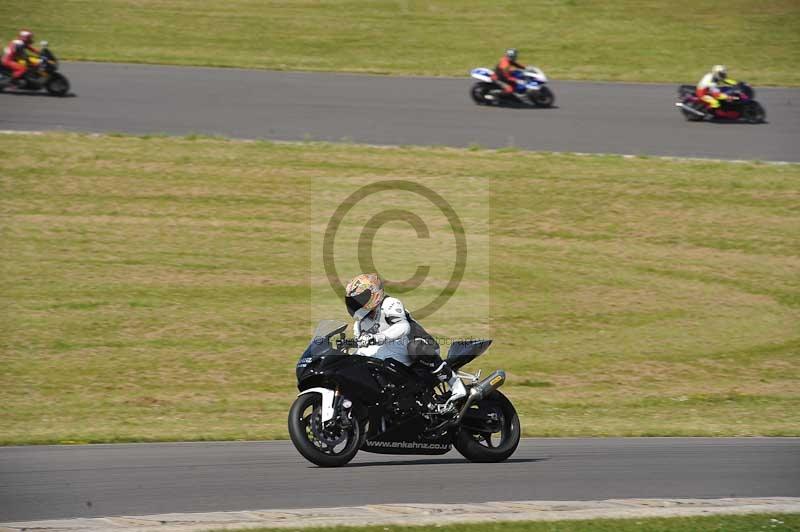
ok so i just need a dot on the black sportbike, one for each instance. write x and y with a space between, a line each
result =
350 402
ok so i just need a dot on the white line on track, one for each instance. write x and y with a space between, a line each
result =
417 514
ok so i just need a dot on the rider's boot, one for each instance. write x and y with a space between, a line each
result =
494 94
457 389
524 98
445 373
497 94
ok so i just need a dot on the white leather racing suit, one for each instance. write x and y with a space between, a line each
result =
709 90
390 327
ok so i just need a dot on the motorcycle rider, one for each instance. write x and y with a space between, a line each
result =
709 87
384 330
15 55
505 68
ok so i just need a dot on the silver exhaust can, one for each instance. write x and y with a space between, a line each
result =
487 385
481 390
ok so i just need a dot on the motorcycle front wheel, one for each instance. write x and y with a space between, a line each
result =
57 85
494 434
544 98
328 445
754 113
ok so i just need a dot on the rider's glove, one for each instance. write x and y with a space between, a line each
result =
364 340
379 339
371 339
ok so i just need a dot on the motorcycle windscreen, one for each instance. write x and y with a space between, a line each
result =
328 328
463 352
320 343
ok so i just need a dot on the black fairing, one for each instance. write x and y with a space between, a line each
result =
317 350
52 62
320 348
390 398
463 352
746 89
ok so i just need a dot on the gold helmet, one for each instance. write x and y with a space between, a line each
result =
363 294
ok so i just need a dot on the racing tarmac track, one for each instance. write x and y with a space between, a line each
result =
44 482
590 117
51 482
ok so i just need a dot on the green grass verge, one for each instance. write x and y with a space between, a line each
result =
721 523
630 40
159 288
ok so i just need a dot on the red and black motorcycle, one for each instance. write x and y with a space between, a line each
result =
740 105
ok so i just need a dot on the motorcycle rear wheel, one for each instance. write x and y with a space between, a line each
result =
57 85
484 447
692 117
315 442
479 91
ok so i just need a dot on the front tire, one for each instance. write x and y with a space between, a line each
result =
57 85
488 447
545 98
689 106
754 113
327 446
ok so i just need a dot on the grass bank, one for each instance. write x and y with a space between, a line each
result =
726 523
627 40
160 288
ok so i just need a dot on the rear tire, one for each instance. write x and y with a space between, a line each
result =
479 91
481 447
57 85
545 98
686 90
690 116
308 436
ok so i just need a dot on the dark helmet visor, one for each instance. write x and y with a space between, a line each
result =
354 303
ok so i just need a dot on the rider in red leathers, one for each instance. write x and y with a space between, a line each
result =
504 69
15 55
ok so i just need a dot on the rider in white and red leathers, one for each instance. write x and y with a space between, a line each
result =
15 54
383 330
709 88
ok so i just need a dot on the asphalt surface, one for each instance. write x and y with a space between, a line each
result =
591 117
50 482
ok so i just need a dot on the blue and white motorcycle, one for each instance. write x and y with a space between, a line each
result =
531 88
